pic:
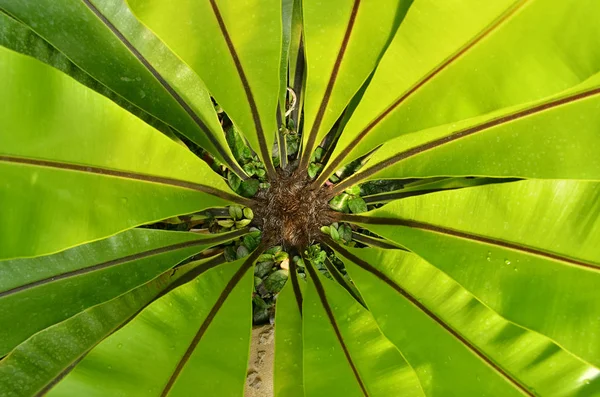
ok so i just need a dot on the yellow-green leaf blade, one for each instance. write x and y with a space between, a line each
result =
345 353
143 357
105 40
77 167
236 51
288 369
535 363
344 40
38 363
526 249
463 59
51 288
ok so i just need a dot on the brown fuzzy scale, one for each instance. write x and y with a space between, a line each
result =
290 213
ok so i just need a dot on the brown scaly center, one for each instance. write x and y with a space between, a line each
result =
290 213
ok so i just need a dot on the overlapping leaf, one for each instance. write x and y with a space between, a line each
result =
463 59
69 157
42 361
438 326
192 341
52 288
236 50
527 249
106 41
344 351
343 41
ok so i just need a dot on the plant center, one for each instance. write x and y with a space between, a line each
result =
290 213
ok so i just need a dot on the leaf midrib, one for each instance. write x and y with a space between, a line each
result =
260 133
125 175
372 220
119 261
323 299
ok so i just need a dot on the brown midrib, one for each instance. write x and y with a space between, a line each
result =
260 133
328 90
235 279
380 275
120 261
296 286
126 175
334 325
163 82
468 236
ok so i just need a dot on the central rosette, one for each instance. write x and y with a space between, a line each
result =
290 213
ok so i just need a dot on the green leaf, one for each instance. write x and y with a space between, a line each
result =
345 232
526 249
357 205
263 268
18 37
226 223
280 256
242 252
109 44
240 150
313 169
500 144
438 327
334 233
340 202
230 253
119 176
296 74
235 212
248 214
276 280
250 242
192 341
477 44
288 367
249 187
317 154
265 258
430 185
353 191
287 14
54 287
236 51
242 223
341 55
44 358
345 353
234 181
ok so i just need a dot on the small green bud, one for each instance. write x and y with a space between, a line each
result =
334 233
235 212
242 223
248 214
227 223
